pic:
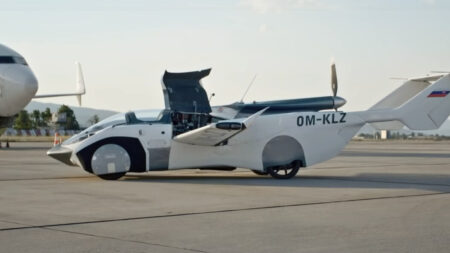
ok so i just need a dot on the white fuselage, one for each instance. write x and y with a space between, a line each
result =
322 136
18 84
320 140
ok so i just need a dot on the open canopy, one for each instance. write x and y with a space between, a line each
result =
184 93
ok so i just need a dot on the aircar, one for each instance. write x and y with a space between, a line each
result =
273 137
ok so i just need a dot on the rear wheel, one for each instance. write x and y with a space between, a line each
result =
284 171
260 173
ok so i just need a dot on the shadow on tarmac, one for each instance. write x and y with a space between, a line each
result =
363 180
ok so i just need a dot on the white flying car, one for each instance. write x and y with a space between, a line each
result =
273 137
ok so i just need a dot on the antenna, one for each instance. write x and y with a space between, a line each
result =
210 97
248 88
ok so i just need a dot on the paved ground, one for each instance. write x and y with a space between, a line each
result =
374 197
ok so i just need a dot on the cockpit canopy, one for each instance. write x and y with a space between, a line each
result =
9 56
142 116
13 60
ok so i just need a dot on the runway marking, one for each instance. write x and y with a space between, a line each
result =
26 226
112 238
124 240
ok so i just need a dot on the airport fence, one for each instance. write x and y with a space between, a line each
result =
38 132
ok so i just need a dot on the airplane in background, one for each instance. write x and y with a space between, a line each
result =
18 85
273 137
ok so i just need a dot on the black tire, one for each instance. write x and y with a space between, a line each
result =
260 173
284 171
112 176
224 168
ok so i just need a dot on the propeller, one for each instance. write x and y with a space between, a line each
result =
334 82
337 101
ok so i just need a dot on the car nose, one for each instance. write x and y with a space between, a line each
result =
61 154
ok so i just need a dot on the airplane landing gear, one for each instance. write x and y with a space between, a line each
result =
284 171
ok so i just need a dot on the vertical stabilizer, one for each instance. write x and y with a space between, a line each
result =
398 97
425 110
428 109
81 89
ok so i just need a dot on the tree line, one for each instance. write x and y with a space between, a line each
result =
38 119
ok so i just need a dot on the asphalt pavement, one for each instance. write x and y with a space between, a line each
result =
374 197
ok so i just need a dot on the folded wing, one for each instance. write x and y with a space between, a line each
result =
216 134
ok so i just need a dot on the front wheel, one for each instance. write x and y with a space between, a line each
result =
110 161
284 171
112 176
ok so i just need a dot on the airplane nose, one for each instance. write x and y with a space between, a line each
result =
18 86
29 82
21 76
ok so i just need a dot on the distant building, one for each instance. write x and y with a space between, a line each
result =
59 118
384 134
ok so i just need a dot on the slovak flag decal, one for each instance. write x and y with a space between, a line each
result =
439 94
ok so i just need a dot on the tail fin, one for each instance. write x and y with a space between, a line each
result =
401 96
81 89
429 108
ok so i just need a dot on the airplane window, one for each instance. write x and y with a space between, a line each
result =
12 60
6 60
20 60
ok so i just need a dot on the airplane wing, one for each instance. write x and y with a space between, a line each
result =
217 133
81 90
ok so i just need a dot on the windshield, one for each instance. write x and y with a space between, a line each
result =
144 115
12 60
113 120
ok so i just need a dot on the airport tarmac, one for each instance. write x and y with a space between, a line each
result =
374 197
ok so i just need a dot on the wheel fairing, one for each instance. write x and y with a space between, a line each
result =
282 150
131 145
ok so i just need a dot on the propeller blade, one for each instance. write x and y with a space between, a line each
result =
334 82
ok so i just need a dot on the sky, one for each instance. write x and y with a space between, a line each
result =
125 47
